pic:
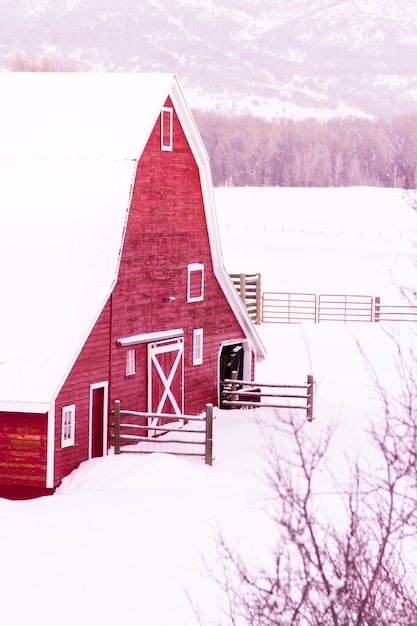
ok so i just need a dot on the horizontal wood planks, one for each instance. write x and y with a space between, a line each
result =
91 366
23 439
166 231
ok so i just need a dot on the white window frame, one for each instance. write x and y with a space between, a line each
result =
198 334
68 427
167 116
191 268
130 362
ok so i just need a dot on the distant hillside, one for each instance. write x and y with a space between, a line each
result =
274 58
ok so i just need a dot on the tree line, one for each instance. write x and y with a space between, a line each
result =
251 151
340 152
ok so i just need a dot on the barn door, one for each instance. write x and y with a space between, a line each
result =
165 379
98 419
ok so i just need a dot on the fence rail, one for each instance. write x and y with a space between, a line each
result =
200 443
242 393
289 308
394 313
294 308
344 308
248 287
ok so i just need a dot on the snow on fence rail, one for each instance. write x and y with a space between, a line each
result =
242 393
294 308
178 438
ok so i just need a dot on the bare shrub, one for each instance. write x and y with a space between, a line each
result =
23 63
339 555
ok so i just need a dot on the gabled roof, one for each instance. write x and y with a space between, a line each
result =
69 147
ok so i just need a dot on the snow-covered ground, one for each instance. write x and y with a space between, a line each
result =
123 540
355 240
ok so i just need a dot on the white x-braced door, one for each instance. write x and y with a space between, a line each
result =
165 379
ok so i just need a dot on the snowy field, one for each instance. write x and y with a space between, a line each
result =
353 240
123 540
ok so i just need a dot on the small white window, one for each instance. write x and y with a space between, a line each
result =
195 284
68 426
130 362
166 128
198 346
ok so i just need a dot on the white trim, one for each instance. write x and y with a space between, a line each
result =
200 154
102 385
167 147
133 340
191 268
50 448
247 359
130 362
153 350
68 427
198 337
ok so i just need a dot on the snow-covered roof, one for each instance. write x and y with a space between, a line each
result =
87 116
69 146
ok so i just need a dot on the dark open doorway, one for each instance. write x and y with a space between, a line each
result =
231 360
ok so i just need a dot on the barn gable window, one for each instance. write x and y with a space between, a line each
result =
198 346
68 426
130 363
166 128
195 283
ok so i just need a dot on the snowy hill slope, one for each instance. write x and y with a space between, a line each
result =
273 57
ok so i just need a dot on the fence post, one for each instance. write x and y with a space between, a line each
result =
209 434
377 308
310 391
258 300
233 394
117 426
242 287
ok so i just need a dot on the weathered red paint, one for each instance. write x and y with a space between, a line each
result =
23 439
166 231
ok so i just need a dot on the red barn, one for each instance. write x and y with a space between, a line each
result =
111 277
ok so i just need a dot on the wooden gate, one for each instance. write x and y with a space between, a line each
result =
196 440
165 379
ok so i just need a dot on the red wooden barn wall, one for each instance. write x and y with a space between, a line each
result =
92 366
166 231
23 440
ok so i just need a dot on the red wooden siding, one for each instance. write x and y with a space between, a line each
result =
97 433
166 231
92 366
23 440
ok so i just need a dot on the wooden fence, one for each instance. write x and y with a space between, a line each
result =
295 308
248 287
244 394
186 441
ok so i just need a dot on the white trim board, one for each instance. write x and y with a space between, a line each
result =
134 340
